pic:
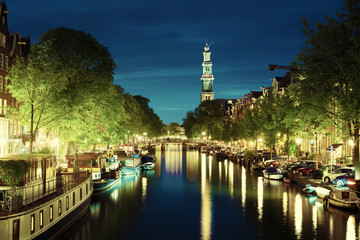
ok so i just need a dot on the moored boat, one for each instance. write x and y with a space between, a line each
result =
343 199
309 189
45 207
148 166
110 173
322 192
273 173
130 165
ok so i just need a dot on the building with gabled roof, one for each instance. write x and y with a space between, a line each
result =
11 47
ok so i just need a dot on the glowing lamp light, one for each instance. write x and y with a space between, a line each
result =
298 141
351 143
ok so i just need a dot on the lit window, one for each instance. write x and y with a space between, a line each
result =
2 61
51 213
41 218
32 223
73 198
1 84
80 194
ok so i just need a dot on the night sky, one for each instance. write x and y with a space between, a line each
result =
158 45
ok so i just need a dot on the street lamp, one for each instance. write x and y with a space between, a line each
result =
298 142
203 133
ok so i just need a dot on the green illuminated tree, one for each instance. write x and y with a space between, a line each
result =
329 70
36 84
151 121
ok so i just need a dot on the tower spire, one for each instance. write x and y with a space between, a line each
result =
207 76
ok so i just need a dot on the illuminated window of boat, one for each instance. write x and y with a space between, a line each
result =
59 207
87 189
80 194
73 198
41 219
51 213
67 203
32 223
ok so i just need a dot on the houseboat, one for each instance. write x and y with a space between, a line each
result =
44 204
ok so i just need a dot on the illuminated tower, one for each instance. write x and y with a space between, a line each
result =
207 77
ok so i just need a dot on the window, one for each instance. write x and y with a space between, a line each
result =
16 229
1 84
41 218
73 198
6 63
32 223
2 61
87 189
80 194
59 207
51 213
67 203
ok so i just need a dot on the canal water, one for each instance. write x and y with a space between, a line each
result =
190 195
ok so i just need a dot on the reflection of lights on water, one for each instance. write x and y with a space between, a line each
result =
226 169
205 203
173 159
209 167
350 228
314 218
115 195
312 199
231 178
95 209
298 215
331 227
260 197
144 186
243 186
285 204
220 164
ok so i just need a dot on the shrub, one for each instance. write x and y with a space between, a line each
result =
12 171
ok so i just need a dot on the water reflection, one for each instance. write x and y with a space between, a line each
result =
173 159
205 202
260 197
298 215
191 195
243 187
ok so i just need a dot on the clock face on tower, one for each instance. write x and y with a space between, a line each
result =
207 86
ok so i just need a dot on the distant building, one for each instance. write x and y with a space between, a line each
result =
11 46
207 77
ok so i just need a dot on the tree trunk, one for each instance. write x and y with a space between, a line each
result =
356 153
32 128
76 163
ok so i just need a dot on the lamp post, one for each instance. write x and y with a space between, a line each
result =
298 142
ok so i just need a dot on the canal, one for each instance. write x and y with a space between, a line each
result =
192 196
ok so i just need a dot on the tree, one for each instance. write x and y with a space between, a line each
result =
36 84
329 70
86 70
151 121
207 118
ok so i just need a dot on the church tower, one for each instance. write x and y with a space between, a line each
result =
207 77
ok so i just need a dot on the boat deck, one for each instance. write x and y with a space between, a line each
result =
68 183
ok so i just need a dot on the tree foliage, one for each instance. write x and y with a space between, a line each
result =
13 171
329 71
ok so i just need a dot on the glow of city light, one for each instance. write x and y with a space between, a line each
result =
298 215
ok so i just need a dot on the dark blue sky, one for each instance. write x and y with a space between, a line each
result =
158 45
